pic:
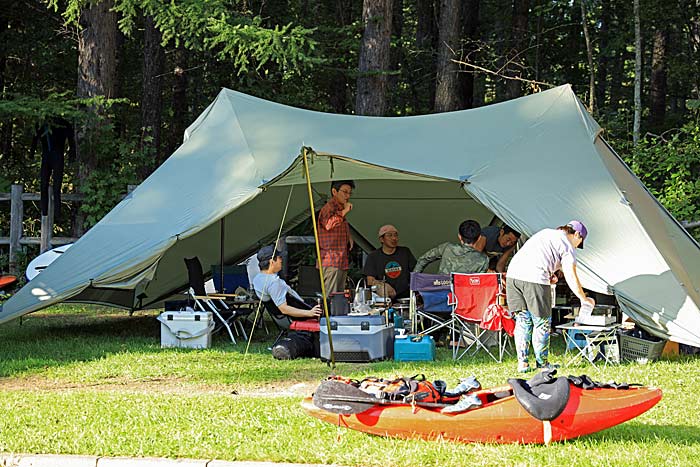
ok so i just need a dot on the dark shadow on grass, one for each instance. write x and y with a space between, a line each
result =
45 340
643 433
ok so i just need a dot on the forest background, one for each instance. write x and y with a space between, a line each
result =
132 74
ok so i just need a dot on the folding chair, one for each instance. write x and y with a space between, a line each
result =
476 313
211 302
435 311
286 323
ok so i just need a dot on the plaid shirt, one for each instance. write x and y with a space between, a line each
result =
333 236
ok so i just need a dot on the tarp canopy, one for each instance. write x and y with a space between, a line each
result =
533 162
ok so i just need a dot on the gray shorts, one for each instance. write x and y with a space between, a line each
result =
535 298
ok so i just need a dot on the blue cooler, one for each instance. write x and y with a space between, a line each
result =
414 349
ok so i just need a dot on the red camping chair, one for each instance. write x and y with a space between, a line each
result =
477 315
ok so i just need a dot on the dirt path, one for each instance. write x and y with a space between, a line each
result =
158 385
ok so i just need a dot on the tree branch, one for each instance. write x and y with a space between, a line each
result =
534 84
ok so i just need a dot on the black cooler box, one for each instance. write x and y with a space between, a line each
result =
358 338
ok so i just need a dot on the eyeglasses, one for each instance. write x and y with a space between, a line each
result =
347 192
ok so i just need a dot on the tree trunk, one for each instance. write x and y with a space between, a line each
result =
657 106
98 45
426 26
447 95
152 91
179 98
636 128
603 40
374 58
470 19
538 39
426 43
396 51
589 54
338 84
5 126
518 43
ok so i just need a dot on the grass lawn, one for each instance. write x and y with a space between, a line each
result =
94 381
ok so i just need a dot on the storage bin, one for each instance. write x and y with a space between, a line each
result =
414 349
186 329
633 348
576 338
357 338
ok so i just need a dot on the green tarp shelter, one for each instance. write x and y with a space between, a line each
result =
533 162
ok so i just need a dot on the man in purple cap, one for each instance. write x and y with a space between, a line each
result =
528 288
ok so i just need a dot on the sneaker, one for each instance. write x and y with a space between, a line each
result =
524 367
465 385
466 402
281 352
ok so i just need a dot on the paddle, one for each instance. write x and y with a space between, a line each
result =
342 398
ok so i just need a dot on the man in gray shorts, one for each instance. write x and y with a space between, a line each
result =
528 287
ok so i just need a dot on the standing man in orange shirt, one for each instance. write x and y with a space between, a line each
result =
334 237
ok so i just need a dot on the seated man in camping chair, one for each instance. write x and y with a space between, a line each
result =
271 288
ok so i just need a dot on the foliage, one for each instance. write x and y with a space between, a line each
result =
669 165
106 185
213 25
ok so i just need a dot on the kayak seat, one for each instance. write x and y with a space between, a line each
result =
544 401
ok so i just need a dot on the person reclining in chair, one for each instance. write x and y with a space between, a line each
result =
462 257
270 287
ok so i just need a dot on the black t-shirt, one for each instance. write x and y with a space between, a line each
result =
395 268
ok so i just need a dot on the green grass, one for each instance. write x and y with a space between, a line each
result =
94 381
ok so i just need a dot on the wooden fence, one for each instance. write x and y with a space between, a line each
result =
17 197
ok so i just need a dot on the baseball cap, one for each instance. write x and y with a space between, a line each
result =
265 253
580 228
385 229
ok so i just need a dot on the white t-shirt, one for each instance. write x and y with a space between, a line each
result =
541 256
270 286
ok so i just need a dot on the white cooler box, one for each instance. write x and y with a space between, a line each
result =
187 328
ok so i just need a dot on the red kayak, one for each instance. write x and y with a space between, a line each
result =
501 418
7 281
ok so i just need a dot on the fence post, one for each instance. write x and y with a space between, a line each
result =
16 222
47 226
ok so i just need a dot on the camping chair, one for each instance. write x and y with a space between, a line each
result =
286 323
211 302
477 313
435 311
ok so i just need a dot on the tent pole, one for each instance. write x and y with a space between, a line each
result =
318 255
222 232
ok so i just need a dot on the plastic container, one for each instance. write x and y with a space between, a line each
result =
633 348
357 338
576 338
414 349
186 329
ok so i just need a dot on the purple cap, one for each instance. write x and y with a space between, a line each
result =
580 228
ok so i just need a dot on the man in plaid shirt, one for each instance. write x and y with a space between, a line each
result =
334 237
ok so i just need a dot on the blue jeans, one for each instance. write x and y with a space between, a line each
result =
529 328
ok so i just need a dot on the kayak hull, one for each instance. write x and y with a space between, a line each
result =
501 421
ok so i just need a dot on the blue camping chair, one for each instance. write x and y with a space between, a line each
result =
435 313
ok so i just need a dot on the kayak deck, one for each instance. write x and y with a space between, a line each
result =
499 420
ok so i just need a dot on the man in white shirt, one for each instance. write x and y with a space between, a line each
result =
528 287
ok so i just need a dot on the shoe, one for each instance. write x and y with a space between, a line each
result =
466 402
465 385
281 352
548 366
524 367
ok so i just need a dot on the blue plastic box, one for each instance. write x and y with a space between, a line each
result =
577 335
414 349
